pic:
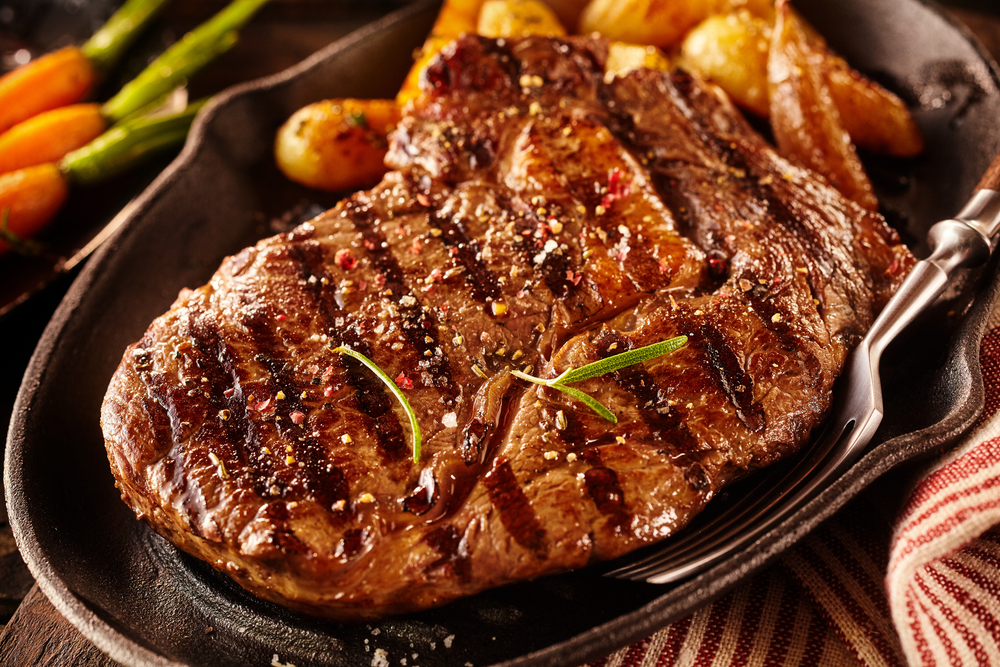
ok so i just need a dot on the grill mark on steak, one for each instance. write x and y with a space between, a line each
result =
465 252
416 322
371 398
316 478
449 542
733 379
663 421
351 544
554 267
603 488
516 513
281 535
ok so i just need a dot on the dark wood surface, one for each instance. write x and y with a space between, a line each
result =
34 632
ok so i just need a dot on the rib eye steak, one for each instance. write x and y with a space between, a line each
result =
537 216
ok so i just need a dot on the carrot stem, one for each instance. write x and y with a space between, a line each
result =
183 59
127 143
106 46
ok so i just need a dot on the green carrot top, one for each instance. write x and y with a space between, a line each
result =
195 50
106 46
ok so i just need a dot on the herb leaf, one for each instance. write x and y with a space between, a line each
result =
373 367
590 402
629 358
602 367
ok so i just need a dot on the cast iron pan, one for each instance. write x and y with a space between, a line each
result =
145 604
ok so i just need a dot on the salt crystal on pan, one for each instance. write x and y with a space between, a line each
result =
449 420
381 658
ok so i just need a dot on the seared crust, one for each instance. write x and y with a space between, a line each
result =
540 217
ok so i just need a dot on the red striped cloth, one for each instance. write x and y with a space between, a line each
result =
922 589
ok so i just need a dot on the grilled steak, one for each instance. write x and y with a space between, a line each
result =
537 216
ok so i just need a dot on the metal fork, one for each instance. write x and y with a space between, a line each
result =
965 241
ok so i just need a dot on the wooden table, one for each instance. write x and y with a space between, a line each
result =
36 634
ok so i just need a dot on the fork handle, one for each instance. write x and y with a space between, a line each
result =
990 179
965 241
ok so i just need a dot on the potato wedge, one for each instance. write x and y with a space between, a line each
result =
661 23
876 119
805 122
731 51
517 18
336 144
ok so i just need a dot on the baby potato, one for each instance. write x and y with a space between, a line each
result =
517 18
336 144
661 23
623 58
731 51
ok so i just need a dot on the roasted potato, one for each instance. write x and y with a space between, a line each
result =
661 23
336 144
804 119
763 9
731 50
623 58
517 18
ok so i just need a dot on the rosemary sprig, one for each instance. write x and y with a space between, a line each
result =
602 367
373 367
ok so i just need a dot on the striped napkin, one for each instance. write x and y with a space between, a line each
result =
920 588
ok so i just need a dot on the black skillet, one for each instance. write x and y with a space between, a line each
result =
144 603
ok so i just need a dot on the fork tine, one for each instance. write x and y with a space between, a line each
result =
692 543
699 548
963 242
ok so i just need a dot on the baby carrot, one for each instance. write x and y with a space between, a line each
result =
67 75
29 198
58 78
50 135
